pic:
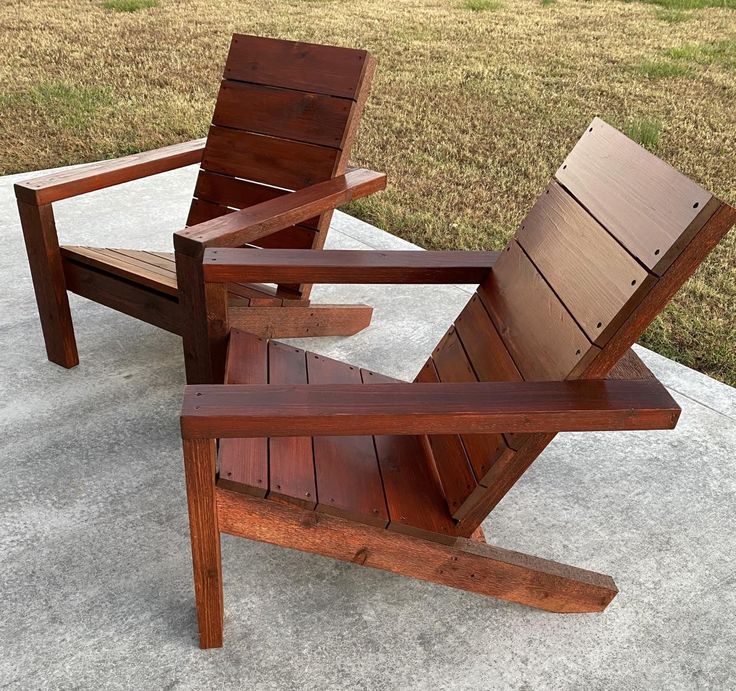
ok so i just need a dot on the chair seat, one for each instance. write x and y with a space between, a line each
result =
157 271
386 481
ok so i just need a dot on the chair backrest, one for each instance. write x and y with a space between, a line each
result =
607 244
285 118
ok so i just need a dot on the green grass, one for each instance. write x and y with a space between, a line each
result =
645 131
129 5
482 5
721 52
661 69
672 16
692 4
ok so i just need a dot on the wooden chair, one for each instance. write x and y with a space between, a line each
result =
326 457
284 123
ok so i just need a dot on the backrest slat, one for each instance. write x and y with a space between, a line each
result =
652 209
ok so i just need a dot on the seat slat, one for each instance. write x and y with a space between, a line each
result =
593 275
279 162
649 207
291 461
416 503
346 468
539 333
305 117
243 463
295 65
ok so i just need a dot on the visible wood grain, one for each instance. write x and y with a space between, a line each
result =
416 504
199 470
481 407
539 333
94 176
595 278
47 274
296 65
648 206
347 266
142 303
301 321
279 162
291 460
202 211
305 117
467 564
244 461
346 468
251 224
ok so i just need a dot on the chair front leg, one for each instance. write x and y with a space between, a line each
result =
199 466
47 273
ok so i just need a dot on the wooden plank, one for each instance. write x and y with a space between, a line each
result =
296 65
293 237
284 113
347 266
452 365
291 461
201 211
595 278
483 346
459 484
480 407
416 504
539 333
649 207
47 274
248 225
225 190
279 162
94 176
468 564
142 303
346 468
301 321
199 467
244 462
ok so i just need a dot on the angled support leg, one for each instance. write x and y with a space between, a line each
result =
301 321
199 467
468 564
47 272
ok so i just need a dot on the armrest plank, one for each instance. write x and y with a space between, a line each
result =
254 222
346 266
95 176
488 407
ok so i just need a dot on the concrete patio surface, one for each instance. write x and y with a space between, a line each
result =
95 572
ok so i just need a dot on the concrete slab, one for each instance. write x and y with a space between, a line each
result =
95 576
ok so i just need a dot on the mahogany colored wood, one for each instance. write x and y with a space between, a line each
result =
347 266
294 321
199 470
648 206
481 407
302 116
296 65
346 468
291 460
252 223
594 277
47 273
539 333
95 176
243 462
467 564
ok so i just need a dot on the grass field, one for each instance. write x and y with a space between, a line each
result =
474 105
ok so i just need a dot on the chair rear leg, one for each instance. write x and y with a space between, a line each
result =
47 272
199 467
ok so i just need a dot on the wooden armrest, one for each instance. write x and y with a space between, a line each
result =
95 176
254 222
270 410
345 266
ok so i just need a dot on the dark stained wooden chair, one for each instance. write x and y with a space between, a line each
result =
273 168
302 451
